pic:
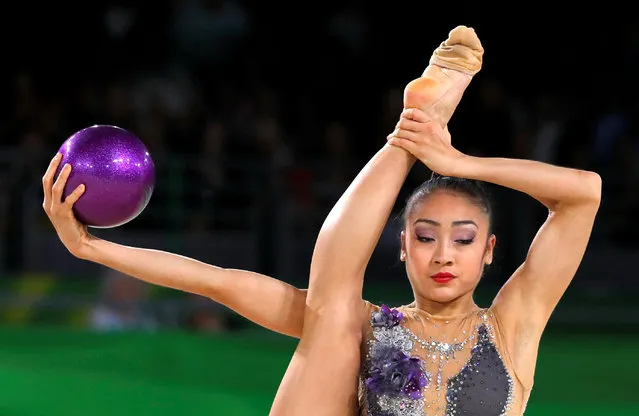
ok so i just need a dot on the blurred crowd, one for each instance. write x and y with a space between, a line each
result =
126 304
240 106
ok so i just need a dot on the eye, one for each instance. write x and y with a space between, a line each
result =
425 239
465 241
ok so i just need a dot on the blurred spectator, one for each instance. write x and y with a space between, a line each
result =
123 305
203 315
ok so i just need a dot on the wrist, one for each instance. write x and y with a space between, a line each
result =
91 249
459 166
400 153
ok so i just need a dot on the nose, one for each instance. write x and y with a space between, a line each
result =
443 255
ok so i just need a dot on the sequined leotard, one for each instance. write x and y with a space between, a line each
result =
416 364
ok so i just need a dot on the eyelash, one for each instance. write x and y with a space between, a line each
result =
462 242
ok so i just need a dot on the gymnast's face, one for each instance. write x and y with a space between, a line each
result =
446 233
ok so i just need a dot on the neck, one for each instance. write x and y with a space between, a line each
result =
460 306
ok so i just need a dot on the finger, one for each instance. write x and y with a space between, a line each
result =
407 145
427 129
408 124
58 186
74 196
416 114
47 179
404 134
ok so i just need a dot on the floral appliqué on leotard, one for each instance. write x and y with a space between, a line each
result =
395 378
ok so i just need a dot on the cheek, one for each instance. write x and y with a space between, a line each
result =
419 255
472 263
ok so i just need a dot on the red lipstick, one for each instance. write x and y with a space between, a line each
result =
443 277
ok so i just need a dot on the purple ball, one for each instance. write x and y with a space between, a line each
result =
117 171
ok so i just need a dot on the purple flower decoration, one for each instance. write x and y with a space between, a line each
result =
386 317
394 372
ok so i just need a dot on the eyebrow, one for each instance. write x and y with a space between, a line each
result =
454 223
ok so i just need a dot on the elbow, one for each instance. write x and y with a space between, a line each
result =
592 188
587 194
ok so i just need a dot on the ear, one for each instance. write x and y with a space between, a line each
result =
402 252
490 248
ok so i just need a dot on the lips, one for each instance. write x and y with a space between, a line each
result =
443 277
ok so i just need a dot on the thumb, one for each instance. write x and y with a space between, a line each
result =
446 136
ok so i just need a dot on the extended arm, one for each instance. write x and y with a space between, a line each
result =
266 301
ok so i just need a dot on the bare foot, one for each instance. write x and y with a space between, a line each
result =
451 68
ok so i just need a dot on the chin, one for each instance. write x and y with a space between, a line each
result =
443 294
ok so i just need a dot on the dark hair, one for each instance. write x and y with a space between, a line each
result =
474 190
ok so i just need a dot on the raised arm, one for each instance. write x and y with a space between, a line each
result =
268 302
524 304
572 198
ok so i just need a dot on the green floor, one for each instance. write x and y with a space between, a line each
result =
46 372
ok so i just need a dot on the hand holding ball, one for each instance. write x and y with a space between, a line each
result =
117 171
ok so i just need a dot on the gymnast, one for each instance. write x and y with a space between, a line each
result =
441 354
